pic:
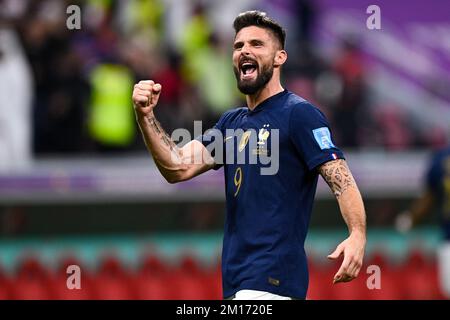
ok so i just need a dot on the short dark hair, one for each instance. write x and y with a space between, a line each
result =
260 19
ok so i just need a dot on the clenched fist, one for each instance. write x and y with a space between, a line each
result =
145 96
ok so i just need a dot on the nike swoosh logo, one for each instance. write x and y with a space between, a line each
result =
228 138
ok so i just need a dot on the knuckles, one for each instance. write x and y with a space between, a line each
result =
143 90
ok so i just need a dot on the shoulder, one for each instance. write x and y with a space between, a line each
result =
300 106
302 111
232 114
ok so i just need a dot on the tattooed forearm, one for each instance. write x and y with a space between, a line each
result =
156 127
154 124
338 176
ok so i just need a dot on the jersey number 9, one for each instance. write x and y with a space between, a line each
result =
238 180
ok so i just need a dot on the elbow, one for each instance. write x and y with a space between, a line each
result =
176 176
172 179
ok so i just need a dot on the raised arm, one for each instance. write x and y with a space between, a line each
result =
175 164
340 180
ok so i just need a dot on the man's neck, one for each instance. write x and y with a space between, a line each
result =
269 90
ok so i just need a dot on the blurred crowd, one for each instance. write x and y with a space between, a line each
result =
154 277
69 91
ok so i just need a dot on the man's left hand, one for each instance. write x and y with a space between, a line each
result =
353 250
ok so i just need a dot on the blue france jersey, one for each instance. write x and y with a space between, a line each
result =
438 182
268 214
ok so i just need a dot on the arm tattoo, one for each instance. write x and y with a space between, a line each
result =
156 126
338 176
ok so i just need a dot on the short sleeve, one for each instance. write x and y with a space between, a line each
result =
209 138
312 136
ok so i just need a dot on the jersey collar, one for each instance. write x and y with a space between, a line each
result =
268 103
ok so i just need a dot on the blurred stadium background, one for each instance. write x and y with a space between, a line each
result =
78 187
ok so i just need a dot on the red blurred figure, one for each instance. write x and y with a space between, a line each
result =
419 277
188 281
5 286
31 281
150 282
59 286
390 284
112 282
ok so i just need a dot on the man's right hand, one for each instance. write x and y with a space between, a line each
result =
145 97
175 164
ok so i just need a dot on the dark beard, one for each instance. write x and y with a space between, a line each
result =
251 87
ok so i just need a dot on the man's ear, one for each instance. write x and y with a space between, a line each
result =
280 58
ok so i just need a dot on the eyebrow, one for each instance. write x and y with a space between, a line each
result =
252 41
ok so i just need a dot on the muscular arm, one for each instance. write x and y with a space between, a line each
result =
175 164
341 182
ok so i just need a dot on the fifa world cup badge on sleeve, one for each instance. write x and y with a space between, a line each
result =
323 138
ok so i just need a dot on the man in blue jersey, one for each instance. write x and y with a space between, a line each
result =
436 194
268 212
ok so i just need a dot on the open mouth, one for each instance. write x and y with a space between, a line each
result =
248 69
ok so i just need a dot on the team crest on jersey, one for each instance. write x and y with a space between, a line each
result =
263 135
